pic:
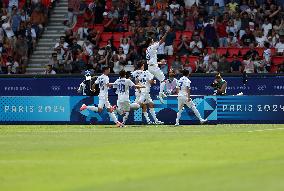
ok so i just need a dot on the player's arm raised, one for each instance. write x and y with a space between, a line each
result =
164 37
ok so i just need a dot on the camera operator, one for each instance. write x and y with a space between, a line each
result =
219 85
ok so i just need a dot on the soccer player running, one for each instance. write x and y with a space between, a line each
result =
153 65
183 88
146 79
104 86
123 103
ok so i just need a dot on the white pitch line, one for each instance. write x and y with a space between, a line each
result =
134 131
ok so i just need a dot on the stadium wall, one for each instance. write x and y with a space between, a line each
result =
67 86
65 110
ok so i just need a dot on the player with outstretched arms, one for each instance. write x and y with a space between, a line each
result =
153 64
123 103
135 74
147 79
104 85
183 88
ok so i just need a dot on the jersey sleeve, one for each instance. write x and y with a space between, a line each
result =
130 83
155 46
97 81
188 83
150 76
106 80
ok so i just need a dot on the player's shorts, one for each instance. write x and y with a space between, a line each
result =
145 98
123 105
137 95
157 72
103 102
184 101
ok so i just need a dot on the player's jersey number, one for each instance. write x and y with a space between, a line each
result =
121 88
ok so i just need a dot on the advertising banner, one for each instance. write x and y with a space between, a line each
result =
66 109
261 85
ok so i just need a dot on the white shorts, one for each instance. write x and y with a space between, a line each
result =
123 105
184 101
103 102
145 98
157 72
137 95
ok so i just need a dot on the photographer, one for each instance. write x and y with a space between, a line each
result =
219 85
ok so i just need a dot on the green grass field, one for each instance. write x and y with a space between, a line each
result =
164 158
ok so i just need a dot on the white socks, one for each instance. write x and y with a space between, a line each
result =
196 112
146 116
179 115
92 108
113 117
134 106
125 117
152 111
162 87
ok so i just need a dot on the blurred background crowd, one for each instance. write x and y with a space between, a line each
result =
22 23
227 36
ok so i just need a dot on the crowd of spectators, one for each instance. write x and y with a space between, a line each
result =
22 23
198 29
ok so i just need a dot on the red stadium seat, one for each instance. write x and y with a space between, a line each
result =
277 60
105 36
99 28
192 59
170 60
209 50
273 69
183 58
259 50
102 44
116 44
221 51
230 59
233 50
244 50
127 34
117 36
273 51
193 66
178 35
188 34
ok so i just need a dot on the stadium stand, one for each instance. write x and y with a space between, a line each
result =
203 32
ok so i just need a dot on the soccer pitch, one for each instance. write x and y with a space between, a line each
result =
163 158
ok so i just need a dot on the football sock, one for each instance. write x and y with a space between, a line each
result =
162 86
125 117
146 116
113 117
152 111
92 108
178 115
196 112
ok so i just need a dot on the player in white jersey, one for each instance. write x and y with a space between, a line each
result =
183 88
123 103
104 85
135 74
153 64
146 79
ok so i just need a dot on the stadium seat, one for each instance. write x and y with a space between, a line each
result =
277 60
102 44
178 35
273 69
193 66
105 36
183 59
116 43
192 59
127 34
230 59
259 50
117 36
188 34
273 51
170 60
243 51
221 51
98 27
233 50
